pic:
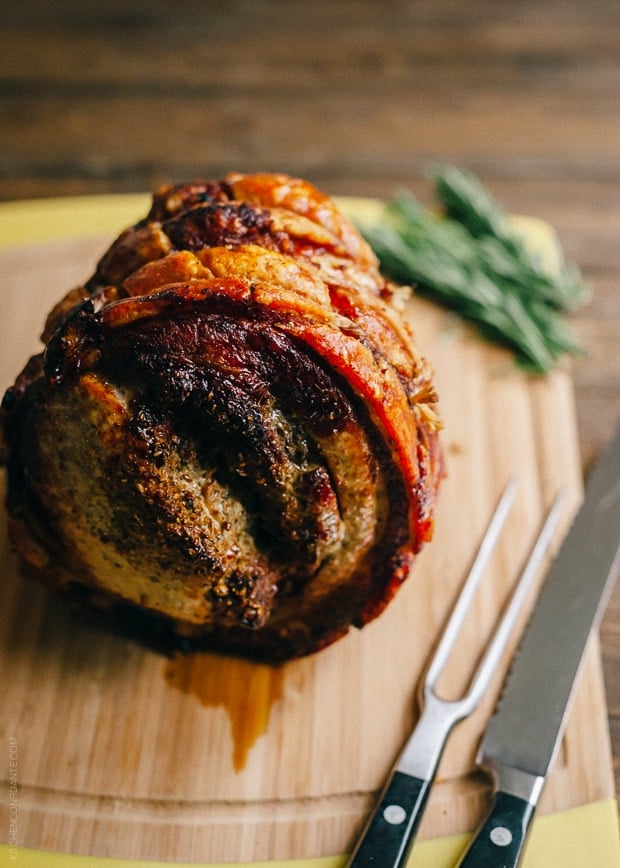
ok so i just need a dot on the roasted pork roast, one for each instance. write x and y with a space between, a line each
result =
229 430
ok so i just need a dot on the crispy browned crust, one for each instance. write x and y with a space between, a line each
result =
230 430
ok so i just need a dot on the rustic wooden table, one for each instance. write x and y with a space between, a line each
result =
357 96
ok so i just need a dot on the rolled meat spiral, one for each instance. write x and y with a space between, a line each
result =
230 430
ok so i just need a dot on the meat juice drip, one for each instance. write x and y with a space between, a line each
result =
247 692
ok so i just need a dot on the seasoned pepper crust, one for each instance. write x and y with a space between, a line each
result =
230 432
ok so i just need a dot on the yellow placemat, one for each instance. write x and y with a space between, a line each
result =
36 221
585 837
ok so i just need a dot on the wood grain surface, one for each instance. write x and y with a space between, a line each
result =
358 96
125 753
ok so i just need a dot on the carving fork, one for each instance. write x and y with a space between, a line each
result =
389 833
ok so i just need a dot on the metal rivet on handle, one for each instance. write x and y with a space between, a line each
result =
501 836
394 815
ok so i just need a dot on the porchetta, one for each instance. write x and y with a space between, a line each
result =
230 432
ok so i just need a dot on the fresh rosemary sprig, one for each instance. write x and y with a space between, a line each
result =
469 203
470 259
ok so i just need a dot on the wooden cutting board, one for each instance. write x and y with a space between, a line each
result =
125 753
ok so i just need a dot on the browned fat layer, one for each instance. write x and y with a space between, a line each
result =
203 345
132 249
71 346
173 199
224 225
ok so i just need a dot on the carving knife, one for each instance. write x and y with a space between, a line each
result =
522 737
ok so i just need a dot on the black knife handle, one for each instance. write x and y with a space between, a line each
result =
391 829
500 841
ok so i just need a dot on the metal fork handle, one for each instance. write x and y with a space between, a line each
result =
423 749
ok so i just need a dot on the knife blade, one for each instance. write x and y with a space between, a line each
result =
521 740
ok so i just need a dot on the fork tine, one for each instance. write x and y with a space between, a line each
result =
498 642
466 595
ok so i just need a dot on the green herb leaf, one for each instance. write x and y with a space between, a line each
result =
472 261
467 202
